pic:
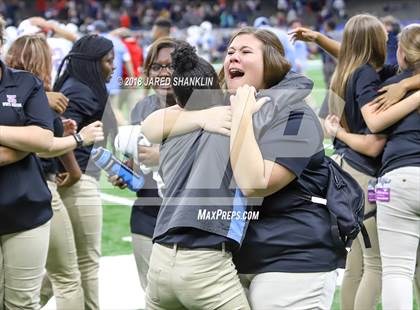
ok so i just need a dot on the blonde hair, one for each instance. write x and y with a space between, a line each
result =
275 64
32 53
364 42
409 43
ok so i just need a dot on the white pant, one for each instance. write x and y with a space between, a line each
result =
290 291
399 235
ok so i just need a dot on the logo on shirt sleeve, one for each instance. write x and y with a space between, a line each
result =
11 102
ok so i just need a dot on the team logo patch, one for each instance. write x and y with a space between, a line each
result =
11 102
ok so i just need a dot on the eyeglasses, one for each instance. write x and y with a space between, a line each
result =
157 67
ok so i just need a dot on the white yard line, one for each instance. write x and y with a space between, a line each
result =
118 200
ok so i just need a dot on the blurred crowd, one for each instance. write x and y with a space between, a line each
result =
142 14
88 57
134 25
207 25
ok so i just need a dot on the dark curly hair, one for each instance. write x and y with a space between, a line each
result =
187 64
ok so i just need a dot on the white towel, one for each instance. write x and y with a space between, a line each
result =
127 141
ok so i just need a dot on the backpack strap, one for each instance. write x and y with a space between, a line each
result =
369 215
365 236
335 232
364 232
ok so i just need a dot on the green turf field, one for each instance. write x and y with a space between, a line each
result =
116 217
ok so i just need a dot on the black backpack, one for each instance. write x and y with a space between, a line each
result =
345 202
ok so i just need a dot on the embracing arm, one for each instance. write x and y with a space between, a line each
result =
369 144
411 83
26 138
393 93
60 147
173 121
9 156
255 176
378 121
161 124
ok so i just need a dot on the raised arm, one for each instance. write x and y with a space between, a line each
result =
173 121
60 32
9 156
331 46
378 121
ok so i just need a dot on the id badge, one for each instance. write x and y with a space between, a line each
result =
371 192
383 190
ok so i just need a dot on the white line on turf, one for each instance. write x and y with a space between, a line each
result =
118 200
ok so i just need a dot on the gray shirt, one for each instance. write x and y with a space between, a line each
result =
198 178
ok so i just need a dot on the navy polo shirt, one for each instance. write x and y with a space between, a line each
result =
291 234
362 87
146 208
84 108
50 165
25 201
402 148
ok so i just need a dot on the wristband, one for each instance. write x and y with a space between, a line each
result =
79 139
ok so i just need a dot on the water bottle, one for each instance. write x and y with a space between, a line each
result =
105 160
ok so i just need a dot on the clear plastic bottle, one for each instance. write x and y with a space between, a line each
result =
105 160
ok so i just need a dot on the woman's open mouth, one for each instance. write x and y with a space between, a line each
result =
235 73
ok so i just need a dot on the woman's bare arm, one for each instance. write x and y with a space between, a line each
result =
26 138
9 156
378 121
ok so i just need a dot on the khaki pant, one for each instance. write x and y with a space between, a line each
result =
290 291
361 288
193 279
142 248
352 276
63 275
399 235
22 261
84 206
